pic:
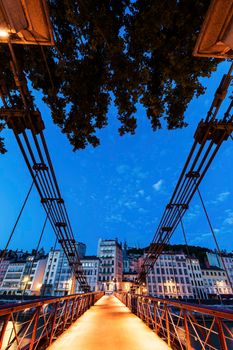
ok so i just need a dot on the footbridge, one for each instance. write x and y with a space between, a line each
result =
95 321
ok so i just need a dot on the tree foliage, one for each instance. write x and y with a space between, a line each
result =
122 52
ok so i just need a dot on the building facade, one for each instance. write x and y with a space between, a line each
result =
111 264
216 282
12 281
33 275
58 278
91 268
3 269
196 278
223 262
170 277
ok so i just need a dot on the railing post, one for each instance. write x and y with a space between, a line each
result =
221 335
147 313
129 302
167 326
155 318
7 318
53 324
92 299
137 306
72 311
186 328
78 307
33 338
65 315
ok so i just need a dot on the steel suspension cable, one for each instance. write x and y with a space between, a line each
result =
189 255
37 158
215 238
16 222
198 292
208 138
36 252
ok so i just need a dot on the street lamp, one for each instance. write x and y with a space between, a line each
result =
216 35
25 22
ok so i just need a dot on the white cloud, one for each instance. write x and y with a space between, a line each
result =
122 169
148 198
130 204
223 196
208 234
141 192
157 186
229 219
142 210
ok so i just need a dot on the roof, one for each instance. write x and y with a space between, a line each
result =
211 268
90 257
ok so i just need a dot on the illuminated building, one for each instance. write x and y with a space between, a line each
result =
111 264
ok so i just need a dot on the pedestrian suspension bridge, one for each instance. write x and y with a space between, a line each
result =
94 320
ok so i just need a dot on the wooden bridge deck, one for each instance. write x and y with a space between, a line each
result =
109 325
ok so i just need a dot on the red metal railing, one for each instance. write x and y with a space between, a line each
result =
183 325
35 325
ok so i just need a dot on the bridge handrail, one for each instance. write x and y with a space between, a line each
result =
12 307
35 324
181 324
204 309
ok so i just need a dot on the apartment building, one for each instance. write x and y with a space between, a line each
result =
111 264
170 277
215 282
12 281
131 259
58 279
223 262
3 269
33 275
91 267
196 278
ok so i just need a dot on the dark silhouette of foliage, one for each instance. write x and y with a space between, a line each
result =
122 52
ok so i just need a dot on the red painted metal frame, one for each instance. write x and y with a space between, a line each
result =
183 325
210 134
35 325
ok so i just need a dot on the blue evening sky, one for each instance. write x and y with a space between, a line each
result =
120 189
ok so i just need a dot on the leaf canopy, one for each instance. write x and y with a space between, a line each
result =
122 52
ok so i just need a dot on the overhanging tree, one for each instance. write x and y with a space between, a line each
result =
128 51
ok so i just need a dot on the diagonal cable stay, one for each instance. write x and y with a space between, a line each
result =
208 138
27 125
